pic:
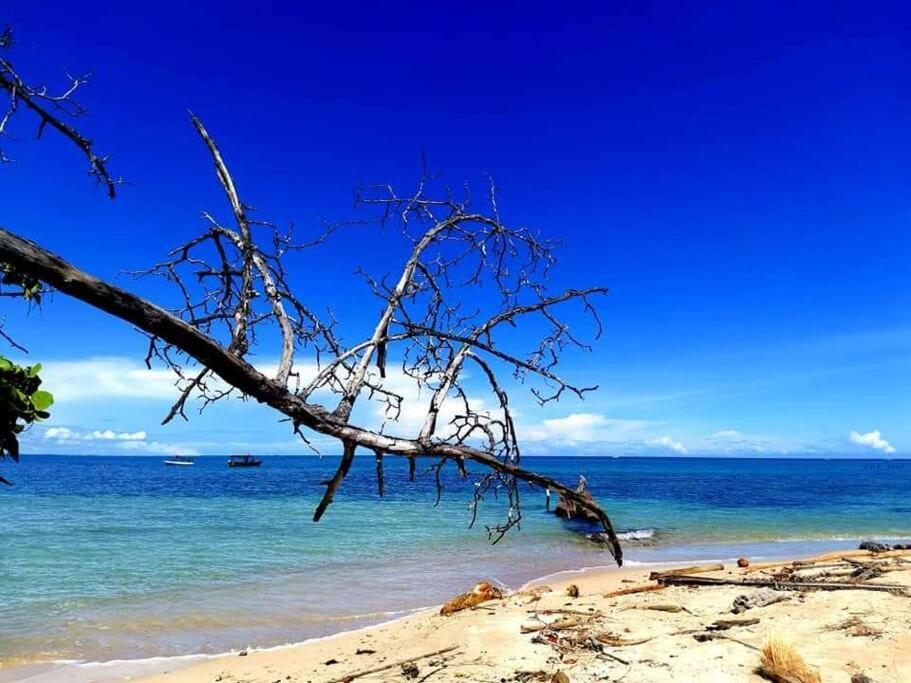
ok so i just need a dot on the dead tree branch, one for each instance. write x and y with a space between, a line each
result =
468 280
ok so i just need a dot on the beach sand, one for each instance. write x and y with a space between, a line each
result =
839 633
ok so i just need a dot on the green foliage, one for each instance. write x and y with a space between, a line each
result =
31 288
22 403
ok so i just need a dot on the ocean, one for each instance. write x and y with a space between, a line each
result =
108 558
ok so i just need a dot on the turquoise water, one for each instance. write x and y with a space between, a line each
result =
107 558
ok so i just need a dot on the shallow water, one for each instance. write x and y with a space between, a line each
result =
107 558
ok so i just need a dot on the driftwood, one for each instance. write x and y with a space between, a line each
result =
725 624
760 598
666 608
780 585
392 665
616 641
634 590
832 557
570 508
683 571
483 591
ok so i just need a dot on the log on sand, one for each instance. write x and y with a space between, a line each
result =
682 571
634 590
672 580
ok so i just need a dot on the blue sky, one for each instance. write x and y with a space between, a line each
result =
737 175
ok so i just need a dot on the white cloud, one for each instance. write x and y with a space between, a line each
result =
157 447
872 440
582 427
109 441
106 378
668 443
67 434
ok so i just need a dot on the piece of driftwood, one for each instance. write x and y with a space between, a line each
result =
725 624
632 591
617 641
759 598
392 665
483 591
666 608
532 628
577 612
682 571
573 509
673 580
565 623
831 557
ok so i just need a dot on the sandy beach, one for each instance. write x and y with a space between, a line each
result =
675 633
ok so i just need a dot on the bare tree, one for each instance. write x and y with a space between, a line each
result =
233 283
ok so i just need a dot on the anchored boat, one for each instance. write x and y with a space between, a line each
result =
244 461
178 460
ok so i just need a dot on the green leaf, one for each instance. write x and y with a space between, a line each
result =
42 400
34 370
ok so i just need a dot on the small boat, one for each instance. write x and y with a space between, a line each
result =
178 460
244 461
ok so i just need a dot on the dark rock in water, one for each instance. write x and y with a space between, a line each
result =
875 547
570 510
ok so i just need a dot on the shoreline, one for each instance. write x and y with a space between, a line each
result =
487 643
304 654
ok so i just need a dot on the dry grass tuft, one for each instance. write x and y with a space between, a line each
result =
782 663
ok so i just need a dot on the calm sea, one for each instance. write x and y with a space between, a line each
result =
107 558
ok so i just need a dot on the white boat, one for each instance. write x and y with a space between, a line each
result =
178 460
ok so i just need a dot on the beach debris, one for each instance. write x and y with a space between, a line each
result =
483 591
856 627
875 547
725 624
616 641
391 665
666 608
760 598
861 678
537 591
569 509
330 662
559 677
364 651
410 670
532 628
674 580
780 662
242 653
743 562
566 623
683 571
634 590
572 590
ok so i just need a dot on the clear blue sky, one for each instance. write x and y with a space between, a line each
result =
738 175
